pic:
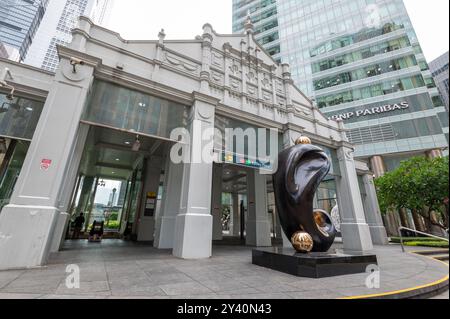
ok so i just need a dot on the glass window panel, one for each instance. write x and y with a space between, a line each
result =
132 110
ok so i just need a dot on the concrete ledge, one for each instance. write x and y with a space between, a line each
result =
418 292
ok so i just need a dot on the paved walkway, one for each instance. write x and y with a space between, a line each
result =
116 269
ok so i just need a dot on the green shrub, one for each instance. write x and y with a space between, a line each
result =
435 244
114 216
113 224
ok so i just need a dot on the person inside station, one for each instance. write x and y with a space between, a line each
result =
77 226
96 232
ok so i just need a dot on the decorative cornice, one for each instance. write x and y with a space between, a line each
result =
28 92
198 96
68 53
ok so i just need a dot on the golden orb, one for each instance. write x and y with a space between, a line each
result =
303 140
302 242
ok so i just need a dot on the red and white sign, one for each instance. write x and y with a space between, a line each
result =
45 164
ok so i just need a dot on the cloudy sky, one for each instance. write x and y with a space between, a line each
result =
183 19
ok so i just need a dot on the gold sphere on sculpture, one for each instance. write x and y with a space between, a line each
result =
302 242
303 140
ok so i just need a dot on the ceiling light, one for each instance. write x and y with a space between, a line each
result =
127 143
29 108
117 159
142 104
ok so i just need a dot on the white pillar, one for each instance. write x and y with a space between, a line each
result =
68 188
258 225
146 222
193 225
236 217
216 202
170 206
373 214
355 231
28 222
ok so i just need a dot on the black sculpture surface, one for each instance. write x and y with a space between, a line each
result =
301 169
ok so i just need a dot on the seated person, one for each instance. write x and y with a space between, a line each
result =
96 232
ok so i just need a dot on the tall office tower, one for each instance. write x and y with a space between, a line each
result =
60 18
439 70
19 21
361 61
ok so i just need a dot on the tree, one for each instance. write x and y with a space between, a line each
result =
418 184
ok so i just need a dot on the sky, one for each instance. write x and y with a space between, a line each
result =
183 19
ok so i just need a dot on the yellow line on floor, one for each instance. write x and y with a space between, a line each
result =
390 293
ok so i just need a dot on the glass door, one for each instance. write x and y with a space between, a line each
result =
10 166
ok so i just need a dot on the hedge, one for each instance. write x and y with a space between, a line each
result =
435 244
418 239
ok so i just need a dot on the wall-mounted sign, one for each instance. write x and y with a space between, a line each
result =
150 204
45 164
245 161
372 111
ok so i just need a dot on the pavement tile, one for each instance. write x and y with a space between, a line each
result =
223 285
138 290
189 288
8 276
19 296
169 278
86 288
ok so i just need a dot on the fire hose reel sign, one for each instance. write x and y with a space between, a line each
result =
45 164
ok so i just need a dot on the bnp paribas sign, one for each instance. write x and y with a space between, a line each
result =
371 111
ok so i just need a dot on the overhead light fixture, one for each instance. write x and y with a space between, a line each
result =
29 109
136 145
127 143
117 159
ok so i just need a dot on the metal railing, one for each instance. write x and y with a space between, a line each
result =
417 232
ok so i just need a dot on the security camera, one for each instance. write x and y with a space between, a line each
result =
10 95
74 62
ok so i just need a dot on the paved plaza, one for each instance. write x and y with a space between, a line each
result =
116 269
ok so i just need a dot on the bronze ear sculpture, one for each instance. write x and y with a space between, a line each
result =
301 169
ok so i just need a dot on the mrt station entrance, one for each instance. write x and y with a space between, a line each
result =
118 186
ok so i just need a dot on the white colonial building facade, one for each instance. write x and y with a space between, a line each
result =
108 113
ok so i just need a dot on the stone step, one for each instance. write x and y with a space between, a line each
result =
443 257
432 252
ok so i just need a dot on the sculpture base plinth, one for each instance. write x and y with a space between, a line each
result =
312 265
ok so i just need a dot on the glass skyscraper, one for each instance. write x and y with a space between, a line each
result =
439 69
361 61
19 21
56 28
